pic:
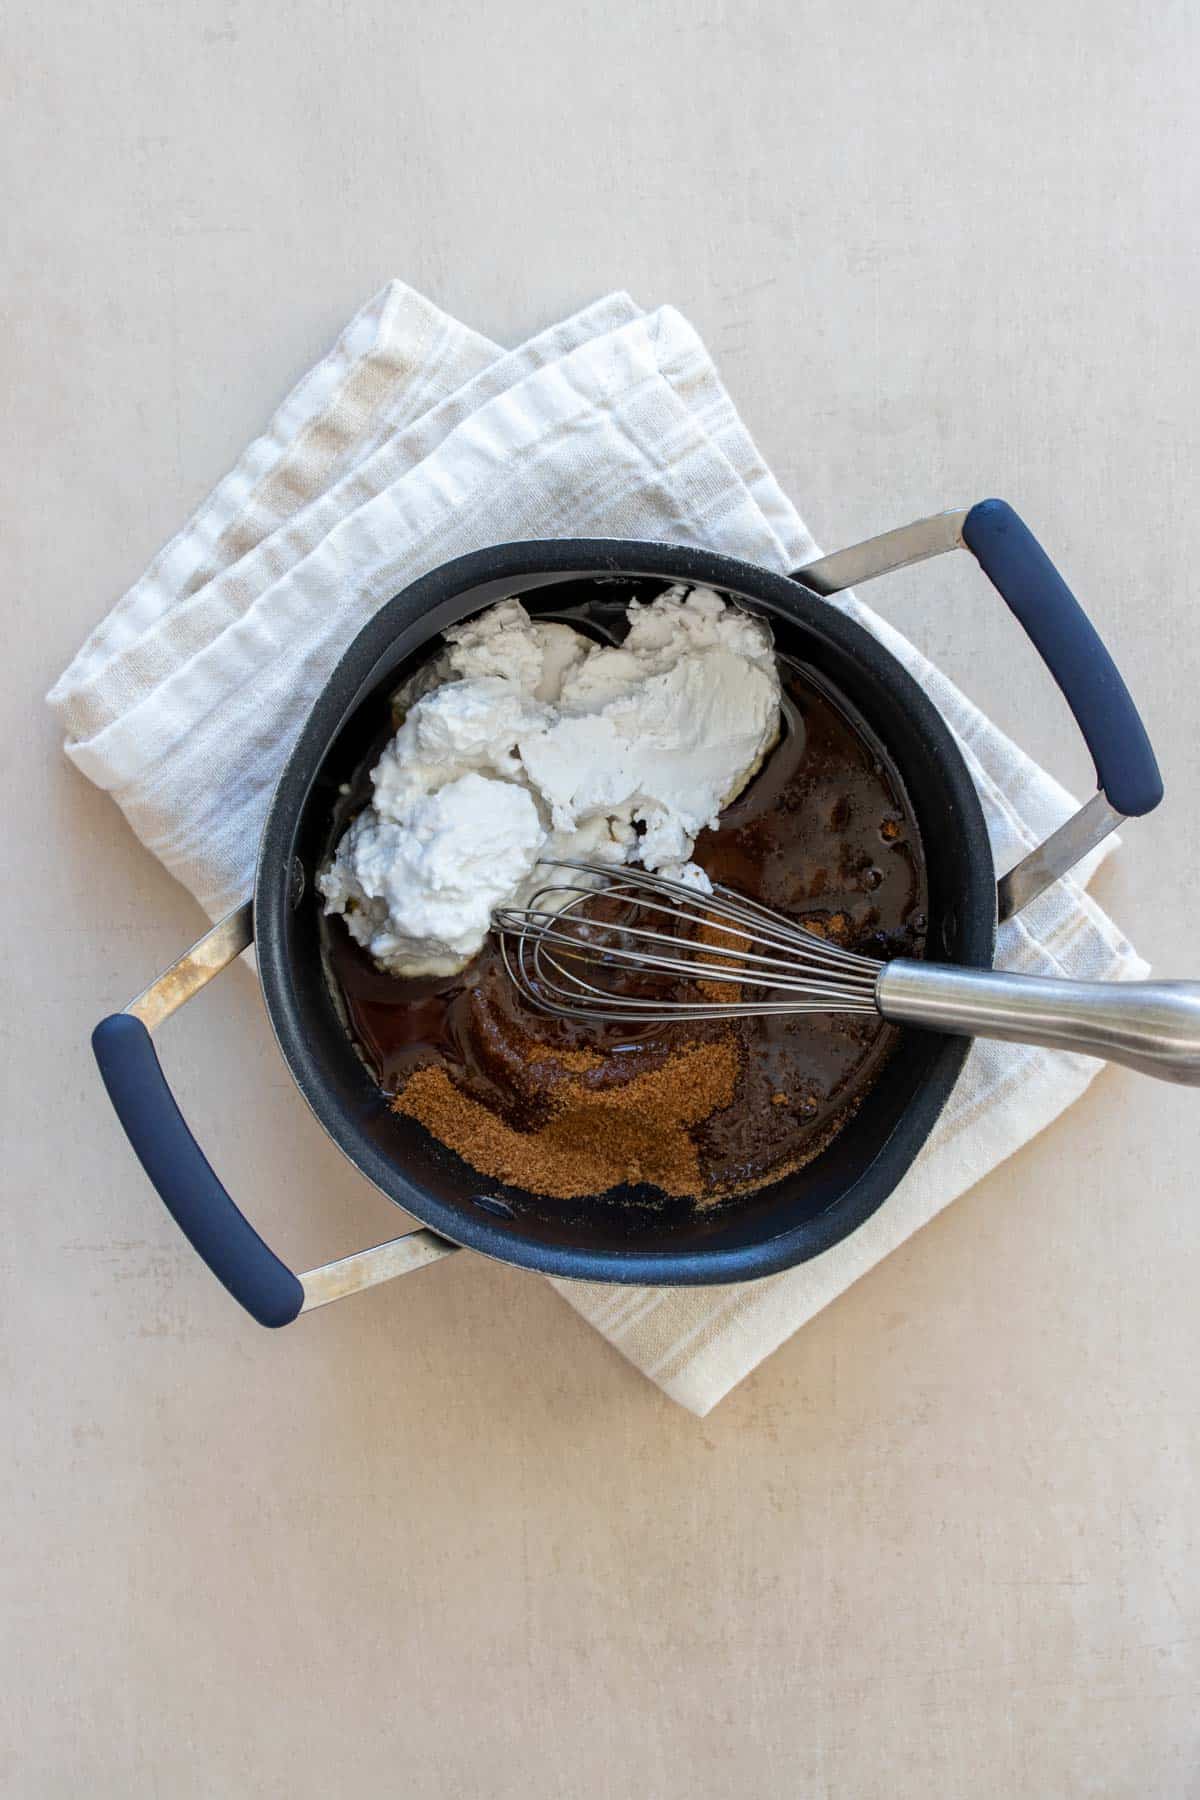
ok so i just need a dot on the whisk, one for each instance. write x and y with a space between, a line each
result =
620 945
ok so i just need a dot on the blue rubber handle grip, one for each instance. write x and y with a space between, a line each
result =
1032 588
181 1173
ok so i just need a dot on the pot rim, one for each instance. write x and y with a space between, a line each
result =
421 611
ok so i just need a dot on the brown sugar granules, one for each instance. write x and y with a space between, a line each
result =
577 1061
594 1138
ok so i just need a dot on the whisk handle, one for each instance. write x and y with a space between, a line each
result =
1151 1026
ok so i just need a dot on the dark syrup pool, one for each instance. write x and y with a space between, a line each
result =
824 833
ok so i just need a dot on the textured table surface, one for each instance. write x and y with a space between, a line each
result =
441 1540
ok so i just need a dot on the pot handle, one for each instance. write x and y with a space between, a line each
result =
185 1180
1073 651
1129 783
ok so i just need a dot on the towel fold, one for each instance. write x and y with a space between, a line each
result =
414 441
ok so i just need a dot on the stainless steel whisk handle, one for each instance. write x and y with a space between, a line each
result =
1152 1026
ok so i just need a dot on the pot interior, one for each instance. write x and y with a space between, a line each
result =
632 1233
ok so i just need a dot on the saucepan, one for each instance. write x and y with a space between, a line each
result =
630 1241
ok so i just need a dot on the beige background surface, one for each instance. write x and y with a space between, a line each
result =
441 1541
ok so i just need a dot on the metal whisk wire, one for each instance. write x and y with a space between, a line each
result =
562 937
563 948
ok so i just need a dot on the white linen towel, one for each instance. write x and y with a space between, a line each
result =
416 440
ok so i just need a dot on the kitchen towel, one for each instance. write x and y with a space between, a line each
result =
416 440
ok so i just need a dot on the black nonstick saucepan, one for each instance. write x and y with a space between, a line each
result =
625 1239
